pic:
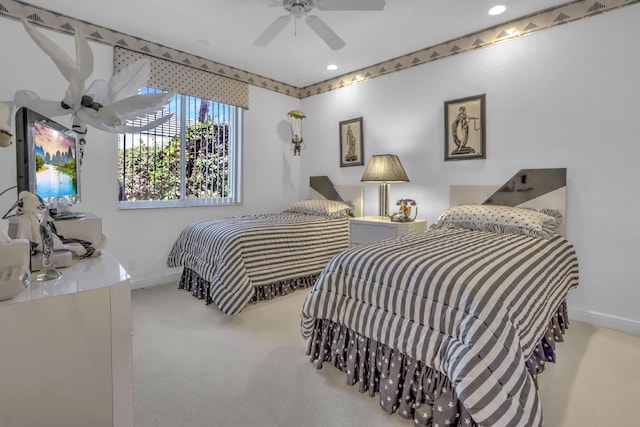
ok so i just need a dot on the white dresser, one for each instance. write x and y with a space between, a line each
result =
66 349
367 229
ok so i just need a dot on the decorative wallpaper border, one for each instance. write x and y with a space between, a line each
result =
520 27
539 21
65 24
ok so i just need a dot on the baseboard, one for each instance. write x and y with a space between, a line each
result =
605 320
172 277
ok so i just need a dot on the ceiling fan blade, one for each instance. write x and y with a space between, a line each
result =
350 4
272 31
325 33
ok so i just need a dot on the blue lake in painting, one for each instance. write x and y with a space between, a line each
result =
52 183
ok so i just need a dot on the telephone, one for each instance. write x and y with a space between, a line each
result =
404 211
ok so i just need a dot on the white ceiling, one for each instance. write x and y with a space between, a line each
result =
224 30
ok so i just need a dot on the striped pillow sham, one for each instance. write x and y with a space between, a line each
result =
328 208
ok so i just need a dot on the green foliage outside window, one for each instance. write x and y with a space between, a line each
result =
152 170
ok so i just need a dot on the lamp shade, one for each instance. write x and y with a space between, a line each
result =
384 168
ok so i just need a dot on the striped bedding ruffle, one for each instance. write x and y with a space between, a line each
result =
472 305
248 257
405 385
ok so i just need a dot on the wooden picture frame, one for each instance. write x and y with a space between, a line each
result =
464 128
351 143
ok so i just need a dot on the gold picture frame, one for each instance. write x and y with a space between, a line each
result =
464 128
351 143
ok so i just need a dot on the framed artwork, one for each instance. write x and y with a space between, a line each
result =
464 128
351 143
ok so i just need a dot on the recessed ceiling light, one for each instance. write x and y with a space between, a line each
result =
497 10
332 67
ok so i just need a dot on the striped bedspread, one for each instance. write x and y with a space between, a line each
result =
470 304
235 254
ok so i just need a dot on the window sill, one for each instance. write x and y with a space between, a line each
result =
187 203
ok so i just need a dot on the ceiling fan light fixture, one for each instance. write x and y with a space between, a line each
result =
498 9
300 8
298 11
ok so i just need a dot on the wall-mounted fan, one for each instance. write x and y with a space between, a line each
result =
299 8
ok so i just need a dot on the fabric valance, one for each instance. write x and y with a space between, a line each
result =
174 77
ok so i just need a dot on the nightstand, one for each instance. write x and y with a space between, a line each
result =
367 229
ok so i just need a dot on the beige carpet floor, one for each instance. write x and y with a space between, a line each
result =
196 367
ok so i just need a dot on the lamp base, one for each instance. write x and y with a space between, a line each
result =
383 200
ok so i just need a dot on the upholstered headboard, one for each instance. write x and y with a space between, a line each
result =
321 187
529 188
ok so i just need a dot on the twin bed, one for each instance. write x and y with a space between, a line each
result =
448 327
233 261
451 327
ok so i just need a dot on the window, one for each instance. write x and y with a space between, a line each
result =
192 159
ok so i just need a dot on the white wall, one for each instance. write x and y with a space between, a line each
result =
565 97
141 239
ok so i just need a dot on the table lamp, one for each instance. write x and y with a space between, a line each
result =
384 168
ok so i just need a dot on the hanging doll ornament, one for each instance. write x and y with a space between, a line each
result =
295 123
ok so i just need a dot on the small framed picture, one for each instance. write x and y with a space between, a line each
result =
464 128
351 143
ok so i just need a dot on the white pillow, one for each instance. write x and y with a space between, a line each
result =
328 208
500 219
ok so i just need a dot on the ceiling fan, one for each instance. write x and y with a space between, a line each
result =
299 8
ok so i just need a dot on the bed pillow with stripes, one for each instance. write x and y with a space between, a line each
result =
500 219
328 208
